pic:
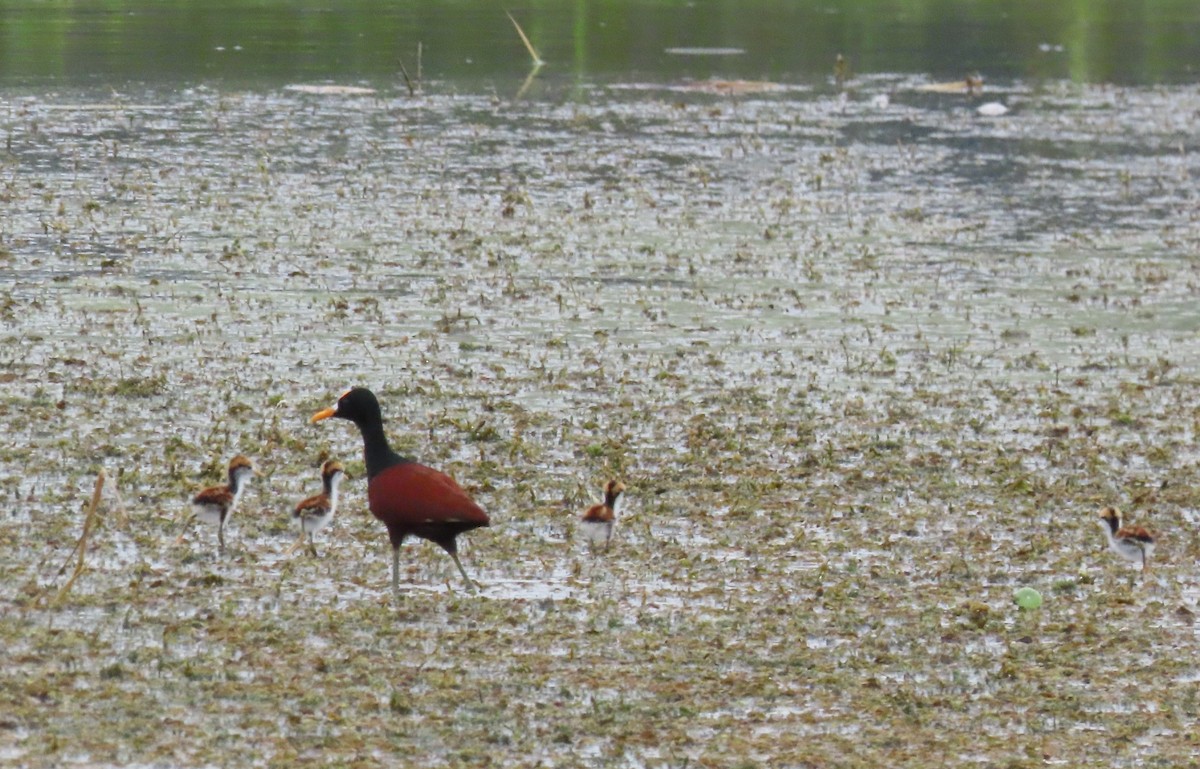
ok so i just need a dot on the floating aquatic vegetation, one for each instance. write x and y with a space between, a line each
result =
866 373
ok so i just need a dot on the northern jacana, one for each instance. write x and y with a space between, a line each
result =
410 498
314 513
1133 543
215 504
598 520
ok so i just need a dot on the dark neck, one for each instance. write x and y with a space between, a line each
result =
1113 524
610 498
376 451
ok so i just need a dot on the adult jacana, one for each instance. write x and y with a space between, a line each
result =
315 512
410 498
598 520
215 504
1133 543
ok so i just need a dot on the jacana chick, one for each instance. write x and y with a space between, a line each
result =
315 512
599 519
408 497
216 503
1133 543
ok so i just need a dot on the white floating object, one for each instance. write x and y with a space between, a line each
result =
329 90
705 51
880 101
992 109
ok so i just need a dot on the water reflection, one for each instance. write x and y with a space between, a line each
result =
367 40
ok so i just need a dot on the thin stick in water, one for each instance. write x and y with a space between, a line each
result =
537 60
407 80
89 524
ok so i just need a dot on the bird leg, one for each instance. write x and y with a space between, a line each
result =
396 570
221 537
463 571
312 546
299 543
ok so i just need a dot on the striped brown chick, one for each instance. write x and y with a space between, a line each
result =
315 512
598 520
1133 543
216 504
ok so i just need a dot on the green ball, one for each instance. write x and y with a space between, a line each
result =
1028 598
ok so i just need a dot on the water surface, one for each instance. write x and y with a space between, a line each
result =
473 42
867 359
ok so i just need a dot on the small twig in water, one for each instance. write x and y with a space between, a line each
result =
537 60
407 80
89 524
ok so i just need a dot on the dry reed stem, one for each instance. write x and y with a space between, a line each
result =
89 524
537 60
412 91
